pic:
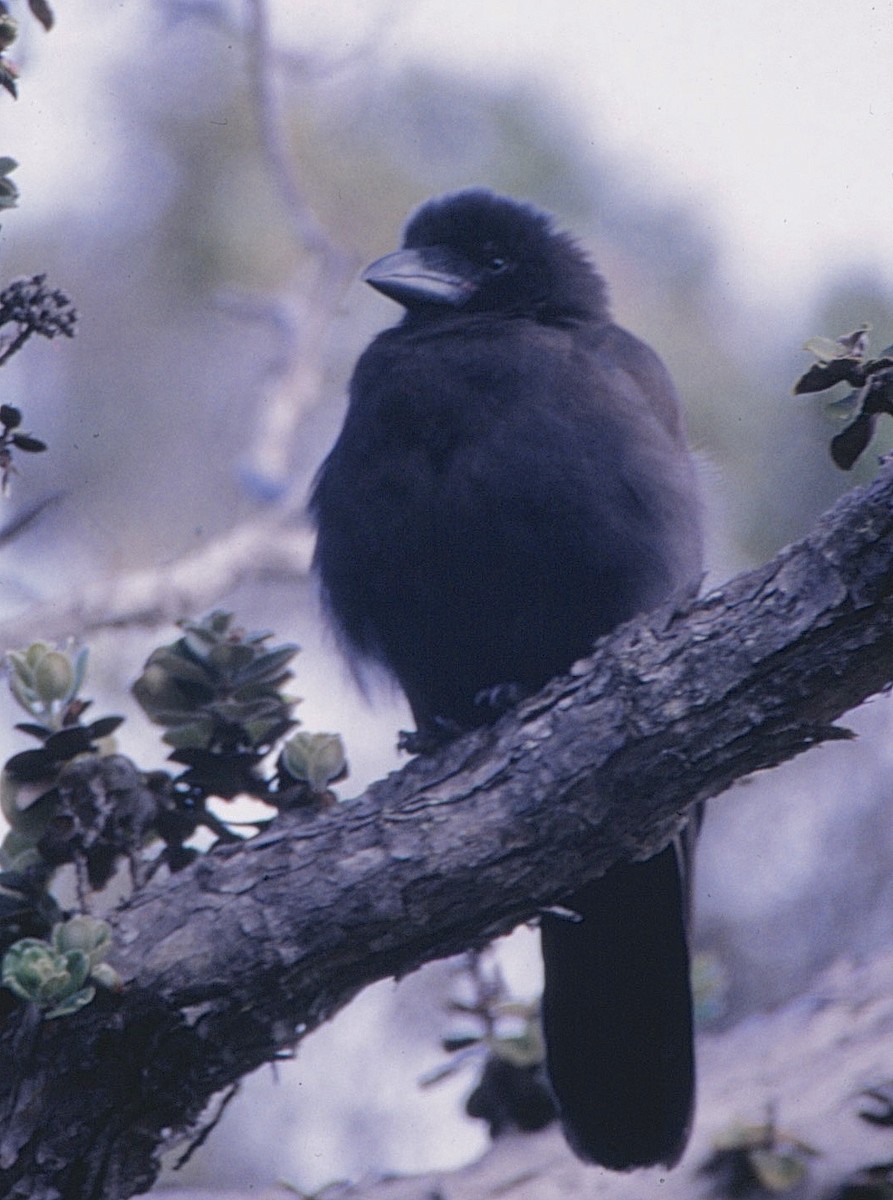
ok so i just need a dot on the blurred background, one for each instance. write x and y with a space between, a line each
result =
727 168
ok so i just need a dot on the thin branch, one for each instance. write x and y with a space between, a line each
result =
208 1128
306 228
8 349
295 387
25 518
160 595
308 66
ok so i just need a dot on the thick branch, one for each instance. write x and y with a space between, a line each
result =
235 959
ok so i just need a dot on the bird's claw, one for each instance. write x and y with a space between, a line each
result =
430 738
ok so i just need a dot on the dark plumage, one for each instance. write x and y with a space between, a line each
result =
511 482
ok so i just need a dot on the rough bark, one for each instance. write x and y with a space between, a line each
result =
232 961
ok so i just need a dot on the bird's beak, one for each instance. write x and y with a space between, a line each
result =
428 275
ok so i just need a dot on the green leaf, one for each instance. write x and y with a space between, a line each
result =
267 667
163 700
849 345
9 29
8 81
847 446
18 852
79 666
86 934
775 1171
43 12
31 766
821 376
195 735
825 349
53 677
314 758
106 976
72 1004
26 806
34 970
177 666
104 727
28 444
65 744
231 657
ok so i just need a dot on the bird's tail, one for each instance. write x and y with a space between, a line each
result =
617 1016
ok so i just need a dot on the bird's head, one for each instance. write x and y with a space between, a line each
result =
479 252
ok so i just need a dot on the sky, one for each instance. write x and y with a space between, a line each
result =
773 118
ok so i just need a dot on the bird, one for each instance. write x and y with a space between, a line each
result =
511 482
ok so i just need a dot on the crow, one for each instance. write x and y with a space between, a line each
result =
512 481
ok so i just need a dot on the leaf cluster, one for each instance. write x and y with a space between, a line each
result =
843 360
218 693
9 192
54 820
59 975
217 690
27 307
9 31
33 308
503 1036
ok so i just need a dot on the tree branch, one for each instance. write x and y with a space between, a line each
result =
268 544
235 959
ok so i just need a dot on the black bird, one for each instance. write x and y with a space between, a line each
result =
511 482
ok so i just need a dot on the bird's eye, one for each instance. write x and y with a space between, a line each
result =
490 258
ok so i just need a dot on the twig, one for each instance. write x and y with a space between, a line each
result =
154 596
205 1132
306 228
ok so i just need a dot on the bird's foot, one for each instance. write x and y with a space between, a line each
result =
425 741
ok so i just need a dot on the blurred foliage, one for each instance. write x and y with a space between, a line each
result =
9 192
880 1097
29 307
710 987
757 1160
502 1037
9 31
875 1180
787 475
